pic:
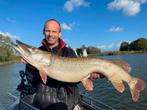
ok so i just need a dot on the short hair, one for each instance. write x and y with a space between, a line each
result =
52 20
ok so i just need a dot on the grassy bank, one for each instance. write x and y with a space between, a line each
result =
15 59
8 62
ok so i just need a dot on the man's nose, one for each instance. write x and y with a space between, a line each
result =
50 33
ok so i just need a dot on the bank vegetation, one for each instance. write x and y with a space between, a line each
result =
134 47
7 53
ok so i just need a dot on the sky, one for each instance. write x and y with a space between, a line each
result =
100 23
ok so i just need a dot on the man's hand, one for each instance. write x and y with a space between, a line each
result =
94 76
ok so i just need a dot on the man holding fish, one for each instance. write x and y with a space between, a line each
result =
52 94
56 77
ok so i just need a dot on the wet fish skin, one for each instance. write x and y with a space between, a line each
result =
79 69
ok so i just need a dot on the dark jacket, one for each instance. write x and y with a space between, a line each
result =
54 93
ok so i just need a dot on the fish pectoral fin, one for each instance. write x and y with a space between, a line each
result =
118 85
88 84
43 76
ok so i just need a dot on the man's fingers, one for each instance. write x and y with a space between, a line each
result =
94 76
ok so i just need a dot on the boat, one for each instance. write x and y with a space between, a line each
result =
88 103
25 103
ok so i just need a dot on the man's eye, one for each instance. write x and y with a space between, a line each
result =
54 31
47 30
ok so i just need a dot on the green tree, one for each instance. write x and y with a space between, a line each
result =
139 44
124 46
5 39
6 51
89 49
79 51
93 50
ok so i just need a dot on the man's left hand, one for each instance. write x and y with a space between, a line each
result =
94 76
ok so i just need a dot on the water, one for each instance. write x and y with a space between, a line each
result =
9 79
106 93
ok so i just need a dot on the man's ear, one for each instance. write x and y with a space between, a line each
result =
43 31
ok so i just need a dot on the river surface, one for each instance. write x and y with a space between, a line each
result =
9 79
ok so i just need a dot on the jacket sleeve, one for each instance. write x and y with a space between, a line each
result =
32 75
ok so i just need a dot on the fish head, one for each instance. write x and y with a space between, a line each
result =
32 55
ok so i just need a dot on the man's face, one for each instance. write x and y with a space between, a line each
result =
52 33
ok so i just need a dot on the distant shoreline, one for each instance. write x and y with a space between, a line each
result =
117 53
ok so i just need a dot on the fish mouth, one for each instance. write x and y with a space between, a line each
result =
16 47
23 49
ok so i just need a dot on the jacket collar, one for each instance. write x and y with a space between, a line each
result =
61 43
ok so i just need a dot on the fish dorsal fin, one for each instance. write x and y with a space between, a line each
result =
119 86
124 65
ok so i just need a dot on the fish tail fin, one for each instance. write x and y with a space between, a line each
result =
136 86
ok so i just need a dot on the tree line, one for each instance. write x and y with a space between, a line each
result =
137 45
89 49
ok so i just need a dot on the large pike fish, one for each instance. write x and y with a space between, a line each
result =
80 69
